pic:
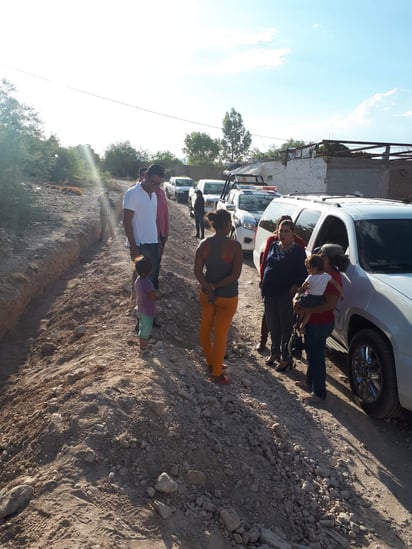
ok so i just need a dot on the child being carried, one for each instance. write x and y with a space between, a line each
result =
312 290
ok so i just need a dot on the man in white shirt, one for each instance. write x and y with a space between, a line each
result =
139 216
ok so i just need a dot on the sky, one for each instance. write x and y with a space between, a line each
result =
100 72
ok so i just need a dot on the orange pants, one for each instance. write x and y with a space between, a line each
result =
214 326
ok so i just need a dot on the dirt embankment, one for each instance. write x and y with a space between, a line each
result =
106 449
31 261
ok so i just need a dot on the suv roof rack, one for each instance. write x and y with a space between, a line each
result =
322 197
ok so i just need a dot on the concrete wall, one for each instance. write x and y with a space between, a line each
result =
400 180
372 178
300 175
349 175
197 172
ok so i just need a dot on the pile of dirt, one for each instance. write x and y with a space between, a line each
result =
100 448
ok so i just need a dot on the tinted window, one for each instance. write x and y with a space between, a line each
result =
254 203
384 245
272 213
305 223
333 231
183 182
213 188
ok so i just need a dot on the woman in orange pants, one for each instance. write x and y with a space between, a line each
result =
218 264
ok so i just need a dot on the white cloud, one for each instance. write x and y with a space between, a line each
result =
224 39
360 115
254 59
374 119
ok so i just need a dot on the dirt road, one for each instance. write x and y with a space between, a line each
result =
88 428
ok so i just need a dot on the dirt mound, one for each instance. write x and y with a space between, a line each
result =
106 449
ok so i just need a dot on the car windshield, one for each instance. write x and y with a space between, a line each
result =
213 188
184 182
383 245
255 203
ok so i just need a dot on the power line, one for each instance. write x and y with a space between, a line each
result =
129 105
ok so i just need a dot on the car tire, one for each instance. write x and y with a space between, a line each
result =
167 194
372 375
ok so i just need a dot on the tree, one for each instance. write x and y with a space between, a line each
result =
20 134
201 149
236 139
271 154
292 144
15 116
70 167
166 159
122 160
330 148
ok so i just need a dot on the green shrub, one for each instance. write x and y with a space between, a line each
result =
18 206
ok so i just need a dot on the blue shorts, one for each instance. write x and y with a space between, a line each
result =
145 326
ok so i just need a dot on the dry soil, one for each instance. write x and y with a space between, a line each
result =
101 448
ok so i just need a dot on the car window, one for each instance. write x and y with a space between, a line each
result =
333 231
183 182
305 223
213 188
254 203
272 213
383 245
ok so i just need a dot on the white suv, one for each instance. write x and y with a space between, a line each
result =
373 323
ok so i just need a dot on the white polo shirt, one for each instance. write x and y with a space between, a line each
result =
144 218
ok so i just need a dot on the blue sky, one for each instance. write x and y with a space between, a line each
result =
298 69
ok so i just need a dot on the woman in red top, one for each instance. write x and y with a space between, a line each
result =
322 322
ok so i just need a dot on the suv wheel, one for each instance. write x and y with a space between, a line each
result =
372 375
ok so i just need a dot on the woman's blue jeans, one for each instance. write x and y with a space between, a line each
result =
315 342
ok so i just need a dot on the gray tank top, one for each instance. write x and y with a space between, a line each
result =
218 267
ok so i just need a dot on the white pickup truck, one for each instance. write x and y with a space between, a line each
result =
178 188
211 190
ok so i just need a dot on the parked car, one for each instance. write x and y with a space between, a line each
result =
178 188
373 321
246 207
211 190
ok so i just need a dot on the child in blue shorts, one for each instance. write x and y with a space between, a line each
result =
145 299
